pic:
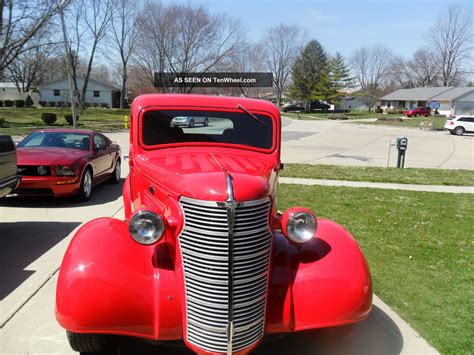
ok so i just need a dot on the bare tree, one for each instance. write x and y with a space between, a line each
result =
20 22
125 33
184 38
371 67
281 45
90 19
452 41
31 67
423 69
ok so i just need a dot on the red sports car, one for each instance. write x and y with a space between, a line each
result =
64 162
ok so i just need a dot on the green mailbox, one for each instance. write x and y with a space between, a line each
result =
401 144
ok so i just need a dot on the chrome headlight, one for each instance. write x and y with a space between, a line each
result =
299 224
64 170
146 227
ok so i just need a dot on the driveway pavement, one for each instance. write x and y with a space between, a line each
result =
34 234
344 143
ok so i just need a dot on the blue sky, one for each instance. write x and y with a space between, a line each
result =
342 25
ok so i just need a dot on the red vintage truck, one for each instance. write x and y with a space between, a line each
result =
203 254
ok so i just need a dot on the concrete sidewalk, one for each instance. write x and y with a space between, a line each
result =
378 185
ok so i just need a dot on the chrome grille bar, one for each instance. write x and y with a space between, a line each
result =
225 248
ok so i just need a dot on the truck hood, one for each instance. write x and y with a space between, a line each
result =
49 156
202 175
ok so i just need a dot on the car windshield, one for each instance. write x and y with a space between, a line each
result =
56 140
185 126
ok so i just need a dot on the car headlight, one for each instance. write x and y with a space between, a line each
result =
146 227
299 224
64 170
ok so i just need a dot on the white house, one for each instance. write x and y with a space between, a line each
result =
98 93
453 100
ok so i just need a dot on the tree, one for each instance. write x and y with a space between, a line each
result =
125 33
452 41
281 45
183 38
310 74
340 73
371 67
21 21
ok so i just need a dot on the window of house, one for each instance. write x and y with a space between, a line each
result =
56 92
96 93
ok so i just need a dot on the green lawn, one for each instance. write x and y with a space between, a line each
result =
411 122
324 115
419 247
19 121
375 174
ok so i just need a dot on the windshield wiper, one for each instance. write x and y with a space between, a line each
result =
239 106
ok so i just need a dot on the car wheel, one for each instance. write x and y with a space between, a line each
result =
452 132
191 124
85 190
459 131
115 177
86 343
416 115
206 122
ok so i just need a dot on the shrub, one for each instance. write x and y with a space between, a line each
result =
48 118
1 103
51 103
29 101
2 122
104 105
8 103
378 109
69 120
42 103
337 116
19 103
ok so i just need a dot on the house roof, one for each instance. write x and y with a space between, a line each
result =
429 93
418 94
80 78
469 97
454 93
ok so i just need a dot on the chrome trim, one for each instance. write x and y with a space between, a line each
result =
225 248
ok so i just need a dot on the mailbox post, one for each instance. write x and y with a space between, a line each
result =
401 145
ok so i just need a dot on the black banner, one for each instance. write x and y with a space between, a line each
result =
208 80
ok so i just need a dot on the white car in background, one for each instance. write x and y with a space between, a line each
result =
459 125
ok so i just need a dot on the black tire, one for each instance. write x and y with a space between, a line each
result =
85 190
206 122
416 115
452 132
459 131
191 124
86 343
115 177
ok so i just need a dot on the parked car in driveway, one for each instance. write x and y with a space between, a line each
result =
64 162
459 125
183 121
8 171
203 254
419 111
292 108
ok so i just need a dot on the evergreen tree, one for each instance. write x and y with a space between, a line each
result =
310 73
339 77
29 101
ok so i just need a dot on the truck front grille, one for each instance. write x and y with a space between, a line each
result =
225 283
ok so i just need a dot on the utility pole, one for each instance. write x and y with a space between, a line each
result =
72 95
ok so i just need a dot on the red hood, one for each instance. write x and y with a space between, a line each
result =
200 174
49 155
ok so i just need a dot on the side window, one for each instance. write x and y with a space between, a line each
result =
56 92
462 119
96 93
470 119
99 142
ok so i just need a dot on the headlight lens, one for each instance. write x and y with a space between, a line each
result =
64 170
299 225
146 227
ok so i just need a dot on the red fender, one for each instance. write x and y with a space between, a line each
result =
108 283
324 282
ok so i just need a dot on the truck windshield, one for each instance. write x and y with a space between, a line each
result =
186 126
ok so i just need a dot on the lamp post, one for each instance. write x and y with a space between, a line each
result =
72 95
